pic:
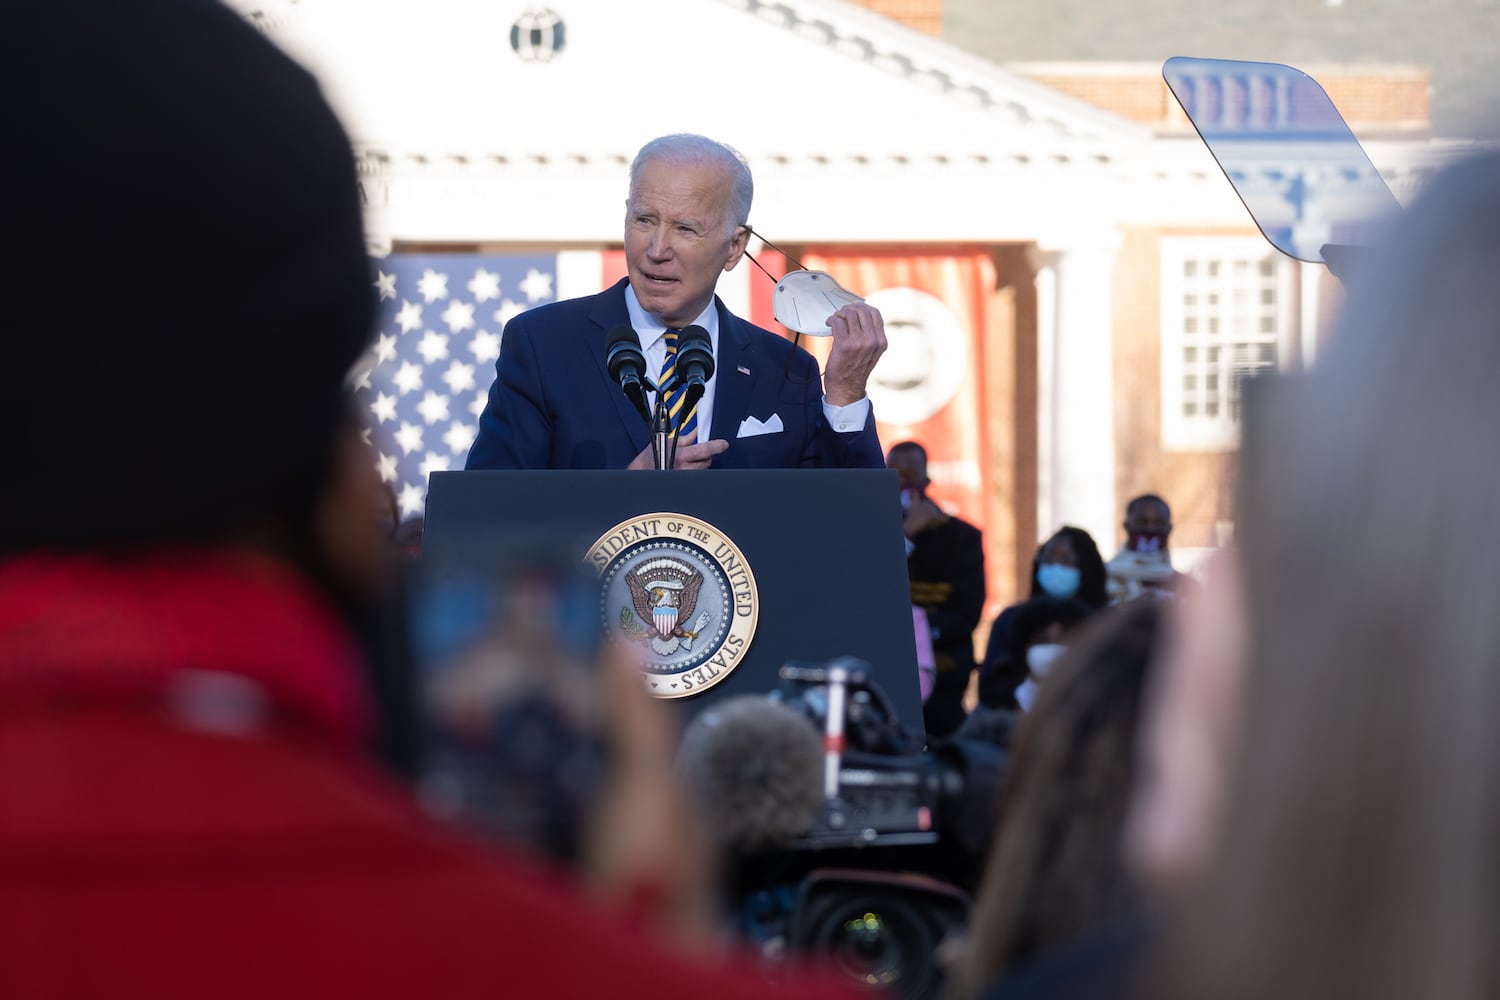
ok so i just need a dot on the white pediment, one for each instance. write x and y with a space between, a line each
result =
849 120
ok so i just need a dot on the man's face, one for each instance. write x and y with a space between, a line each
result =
679 237
1149 518
911 471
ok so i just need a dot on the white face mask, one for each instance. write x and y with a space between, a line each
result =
1039 658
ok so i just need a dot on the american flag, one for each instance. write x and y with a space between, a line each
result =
423 383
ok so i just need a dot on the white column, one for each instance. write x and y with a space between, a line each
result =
1309 276
1046 424
1080 470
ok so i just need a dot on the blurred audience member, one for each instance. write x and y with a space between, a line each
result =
1143 566
1056 877
187 803
1039 637
945 561
1356 853
1067 566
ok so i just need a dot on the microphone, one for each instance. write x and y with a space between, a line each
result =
754 768
695 362
627 366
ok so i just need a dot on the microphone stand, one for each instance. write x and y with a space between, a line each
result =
663 434
663 437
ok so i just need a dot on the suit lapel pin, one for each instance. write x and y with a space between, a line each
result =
742 369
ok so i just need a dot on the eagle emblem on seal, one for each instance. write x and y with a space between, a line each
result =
663 597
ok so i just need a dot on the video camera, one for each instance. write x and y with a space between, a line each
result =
855 844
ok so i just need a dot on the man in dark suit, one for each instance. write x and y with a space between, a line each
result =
554 406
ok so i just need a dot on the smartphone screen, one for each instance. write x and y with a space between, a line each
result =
506 641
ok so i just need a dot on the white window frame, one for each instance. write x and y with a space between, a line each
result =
1220 432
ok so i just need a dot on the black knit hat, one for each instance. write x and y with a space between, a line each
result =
194 283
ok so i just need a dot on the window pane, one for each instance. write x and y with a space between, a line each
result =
1213 269
1190 299
1268 296
1268 324
1190 324
1190 269
1189 383
1213 324
1213 355
1211 382
1211 410
1190 355
1189 408
1268 267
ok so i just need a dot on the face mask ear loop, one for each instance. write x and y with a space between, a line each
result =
796 334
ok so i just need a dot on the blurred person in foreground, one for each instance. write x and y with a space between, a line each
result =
1056 878
187 803
1067 567
945 565
1353 850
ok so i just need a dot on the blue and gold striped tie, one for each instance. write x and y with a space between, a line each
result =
685 423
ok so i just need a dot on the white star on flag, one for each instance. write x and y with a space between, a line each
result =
537 285
459 377
384 407
433 408
480 401
459 315
433 463
485 285
408 377
410 500
410 316
433 285
409 437
433 347
386 284
485 346
386 466
460 437
509 310
385 348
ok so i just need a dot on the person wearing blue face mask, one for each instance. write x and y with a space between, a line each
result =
1068 566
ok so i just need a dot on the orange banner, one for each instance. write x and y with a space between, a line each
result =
928 386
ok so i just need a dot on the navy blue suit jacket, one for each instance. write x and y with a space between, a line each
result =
554 406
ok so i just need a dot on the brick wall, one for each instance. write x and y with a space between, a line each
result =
1198 485
1371 100
924 15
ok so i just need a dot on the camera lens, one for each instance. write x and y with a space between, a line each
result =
879 942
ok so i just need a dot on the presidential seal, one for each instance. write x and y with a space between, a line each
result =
681 592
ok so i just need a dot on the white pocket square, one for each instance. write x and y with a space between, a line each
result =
750 427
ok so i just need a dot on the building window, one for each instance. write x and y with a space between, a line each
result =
1226 311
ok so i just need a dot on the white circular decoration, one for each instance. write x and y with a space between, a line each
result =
926 359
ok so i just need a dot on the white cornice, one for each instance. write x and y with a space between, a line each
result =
855 32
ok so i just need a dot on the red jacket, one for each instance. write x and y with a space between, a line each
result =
165 839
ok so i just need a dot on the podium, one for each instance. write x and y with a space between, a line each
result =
809 562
